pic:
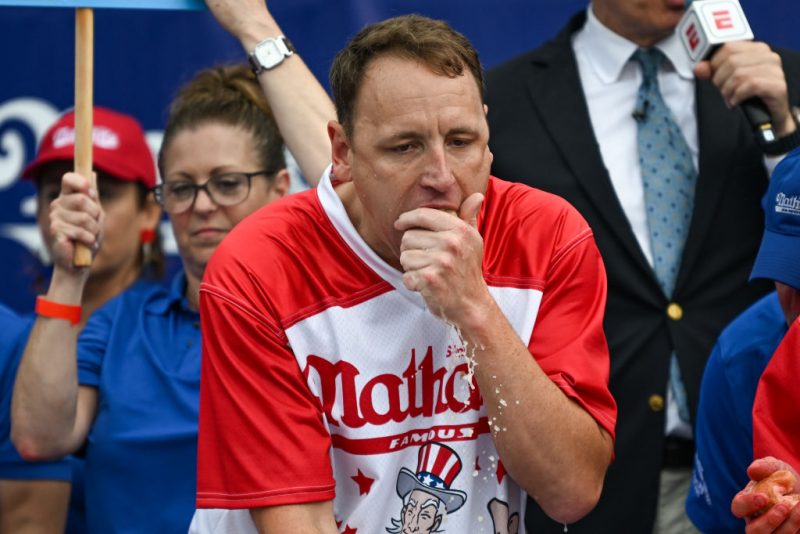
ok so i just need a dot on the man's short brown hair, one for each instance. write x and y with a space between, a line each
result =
432 42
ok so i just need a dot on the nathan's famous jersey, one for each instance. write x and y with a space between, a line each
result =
323 376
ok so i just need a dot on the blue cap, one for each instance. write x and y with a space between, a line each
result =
779 256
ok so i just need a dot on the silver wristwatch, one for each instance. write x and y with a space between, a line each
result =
270 53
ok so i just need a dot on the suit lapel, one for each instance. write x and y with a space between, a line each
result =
718 130
557 96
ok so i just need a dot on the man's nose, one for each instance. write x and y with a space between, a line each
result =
437 173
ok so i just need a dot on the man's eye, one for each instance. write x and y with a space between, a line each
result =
402 149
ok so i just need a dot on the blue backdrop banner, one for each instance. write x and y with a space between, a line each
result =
142 56
103 4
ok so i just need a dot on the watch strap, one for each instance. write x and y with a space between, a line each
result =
787 143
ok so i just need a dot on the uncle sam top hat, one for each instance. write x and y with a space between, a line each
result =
779 256
437 467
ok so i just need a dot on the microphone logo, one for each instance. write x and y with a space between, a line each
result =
709 23
692 37
723 19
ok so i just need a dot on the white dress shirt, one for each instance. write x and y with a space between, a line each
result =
611 79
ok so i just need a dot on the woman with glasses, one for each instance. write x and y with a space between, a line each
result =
138 359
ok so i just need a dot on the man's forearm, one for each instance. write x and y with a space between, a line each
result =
550 445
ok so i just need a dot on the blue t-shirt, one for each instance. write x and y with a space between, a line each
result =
14 332
724 433
142 352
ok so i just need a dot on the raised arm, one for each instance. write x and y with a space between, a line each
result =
301 106
51 414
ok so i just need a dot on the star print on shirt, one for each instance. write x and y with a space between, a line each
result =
364 482
501 471
349 530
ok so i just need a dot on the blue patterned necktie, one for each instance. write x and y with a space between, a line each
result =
669 178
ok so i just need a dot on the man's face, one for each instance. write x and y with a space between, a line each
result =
421 513
419 140
644 22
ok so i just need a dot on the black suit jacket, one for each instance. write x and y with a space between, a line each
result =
541 135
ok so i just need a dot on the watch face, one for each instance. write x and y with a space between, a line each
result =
268 54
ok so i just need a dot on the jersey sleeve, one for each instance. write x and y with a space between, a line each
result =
92 344
262 439
723 452
568 340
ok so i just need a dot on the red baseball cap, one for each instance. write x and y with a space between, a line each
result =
119 147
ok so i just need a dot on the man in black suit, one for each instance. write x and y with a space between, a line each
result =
561 120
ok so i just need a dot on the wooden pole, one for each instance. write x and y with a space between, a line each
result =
84 95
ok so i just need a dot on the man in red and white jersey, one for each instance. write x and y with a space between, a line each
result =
414 345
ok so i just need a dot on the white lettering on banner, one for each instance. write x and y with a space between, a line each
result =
34 114
37 115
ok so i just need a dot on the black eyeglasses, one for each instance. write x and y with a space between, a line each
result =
229 189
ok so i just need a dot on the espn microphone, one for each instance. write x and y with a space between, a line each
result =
705 26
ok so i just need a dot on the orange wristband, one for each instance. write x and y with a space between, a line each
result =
55 310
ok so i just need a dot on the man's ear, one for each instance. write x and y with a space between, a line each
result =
436 523
341 153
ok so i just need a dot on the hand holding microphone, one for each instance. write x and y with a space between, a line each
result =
718 38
